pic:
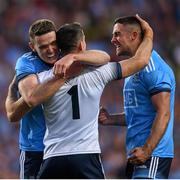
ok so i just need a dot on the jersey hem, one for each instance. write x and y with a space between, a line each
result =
26 149
70 153
163 156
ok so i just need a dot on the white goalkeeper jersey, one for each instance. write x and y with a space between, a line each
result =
72 113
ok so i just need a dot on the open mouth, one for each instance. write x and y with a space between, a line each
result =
52 57
118 47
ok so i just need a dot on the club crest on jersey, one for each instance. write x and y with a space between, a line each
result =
130 100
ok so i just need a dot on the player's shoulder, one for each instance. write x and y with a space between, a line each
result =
26 61
156 70
101 68
108 65
155 64
27 57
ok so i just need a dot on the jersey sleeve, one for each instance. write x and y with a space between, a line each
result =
24 67
110 71
157 81
45 76
103 74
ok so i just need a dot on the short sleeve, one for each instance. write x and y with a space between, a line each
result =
24 67
101 76
157 81
110 71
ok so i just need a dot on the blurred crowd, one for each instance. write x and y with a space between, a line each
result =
97 18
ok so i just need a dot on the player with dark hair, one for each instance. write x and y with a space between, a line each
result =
148 105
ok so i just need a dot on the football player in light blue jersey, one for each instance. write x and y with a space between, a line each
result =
42 34
32 126
44 54
148 105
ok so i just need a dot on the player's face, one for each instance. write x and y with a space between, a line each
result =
121 39
46 47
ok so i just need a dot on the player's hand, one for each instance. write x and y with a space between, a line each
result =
75 70
62 65
148 32
104 117
139 155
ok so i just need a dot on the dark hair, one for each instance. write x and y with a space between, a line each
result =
40 27
129 20
68 36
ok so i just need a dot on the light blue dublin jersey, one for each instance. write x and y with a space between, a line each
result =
140 113
32 125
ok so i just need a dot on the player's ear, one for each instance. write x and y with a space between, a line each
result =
31 45
82 45
134 35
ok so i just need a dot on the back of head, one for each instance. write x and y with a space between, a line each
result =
130 21
40 27
69 36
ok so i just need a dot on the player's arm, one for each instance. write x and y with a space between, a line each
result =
92 57
161 102
15 108
89 57
35 93
143 53
115 119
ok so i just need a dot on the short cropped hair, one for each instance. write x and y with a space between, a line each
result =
40 27
129 20
68 36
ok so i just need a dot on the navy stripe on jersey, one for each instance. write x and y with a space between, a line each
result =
18 78
159 91
119 69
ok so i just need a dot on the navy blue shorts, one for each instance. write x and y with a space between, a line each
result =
155 167
30 163
79 166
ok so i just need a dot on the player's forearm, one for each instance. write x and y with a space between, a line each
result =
92 57
158 129
16 109
139 60
44 91
143 53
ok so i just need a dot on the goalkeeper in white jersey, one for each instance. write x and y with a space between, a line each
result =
71 140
